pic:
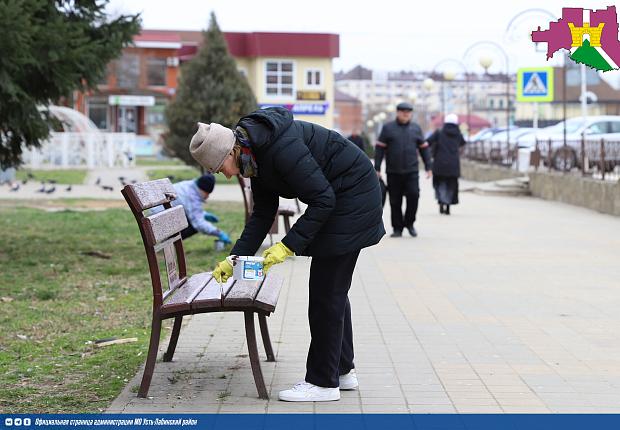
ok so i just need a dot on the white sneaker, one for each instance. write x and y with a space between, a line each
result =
307 392
349 381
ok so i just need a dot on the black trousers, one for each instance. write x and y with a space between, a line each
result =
400 185
329 313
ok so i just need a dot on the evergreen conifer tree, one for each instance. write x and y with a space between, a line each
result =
48 49
211 89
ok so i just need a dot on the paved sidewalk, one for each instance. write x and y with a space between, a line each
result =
509 305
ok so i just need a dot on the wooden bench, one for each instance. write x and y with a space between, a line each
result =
285 210
199 293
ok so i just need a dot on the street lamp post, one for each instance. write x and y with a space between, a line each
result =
450 75
584 90
428 86
370 124
413 97
485 62
488 60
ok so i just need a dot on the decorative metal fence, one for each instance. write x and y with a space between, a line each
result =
64 149
598 158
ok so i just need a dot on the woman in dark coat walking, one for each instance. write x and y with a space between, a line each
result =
445 147
297 159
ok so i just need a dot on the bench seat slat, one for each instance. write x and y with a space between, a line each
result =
210 296
181 298
226 287
172 289
242 293
267 297
162 225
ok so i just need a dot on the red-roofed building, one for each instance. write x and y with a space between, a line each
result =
288 69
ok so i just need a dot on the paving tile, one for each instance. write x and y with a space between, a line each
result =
383 401
478 409
385 409
525 409
431 409
288 407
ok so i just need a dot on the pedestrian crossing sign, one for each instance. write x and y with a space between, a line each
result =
535 84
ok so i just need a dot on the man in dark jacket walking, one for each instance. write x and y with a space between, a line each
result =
289 158
400 141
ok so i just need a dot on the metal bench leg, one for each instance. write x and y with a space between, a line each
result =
149 367
174 337
264 331
250 336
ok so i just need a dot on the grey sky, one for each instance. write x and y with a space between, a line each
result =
387 34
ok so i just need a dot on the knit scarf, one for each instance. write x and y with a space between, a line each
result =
247 162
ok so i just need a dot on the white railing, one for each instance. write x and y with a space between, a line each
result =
83 150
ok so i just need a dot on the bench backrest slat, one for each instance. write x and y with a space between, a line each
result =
149 194
162 225
170 257
161 245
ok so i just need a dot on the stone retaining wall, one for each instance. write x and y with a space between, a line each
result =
602 196
480 172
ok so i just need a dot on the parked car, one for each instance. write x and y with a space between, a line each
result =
516 134
487 133
566 157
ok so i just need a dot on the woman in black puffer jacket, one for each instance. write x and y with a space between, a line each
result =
446 145
296 159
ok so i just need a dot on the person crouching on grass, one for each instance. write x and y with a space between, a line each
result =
297 159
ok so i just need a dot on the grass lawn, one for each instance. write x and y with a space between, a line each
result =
64 176
56 299
177 175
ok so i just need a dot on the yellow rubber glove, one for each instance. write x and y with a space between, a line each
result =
275 255
222 271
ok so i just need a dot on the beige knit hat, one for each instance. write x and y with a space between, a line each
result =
211 145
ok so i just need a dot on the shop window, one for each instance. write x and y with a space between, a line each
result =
156 71
98 113
155 115
279 78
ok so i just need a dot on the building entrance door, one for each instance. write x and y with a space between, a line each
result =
127 119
